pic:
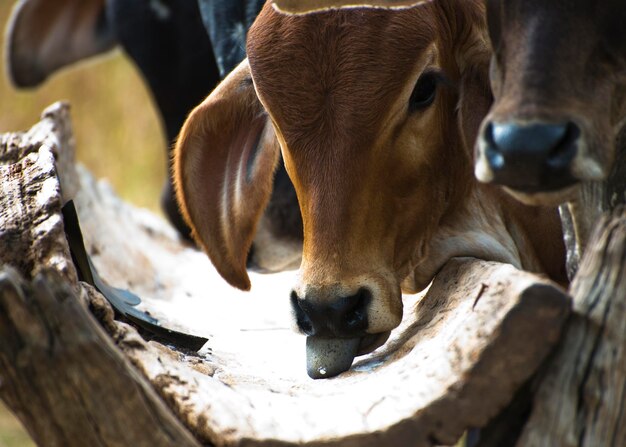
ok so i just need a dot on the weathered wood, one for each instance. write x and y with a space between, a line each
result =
29 162
462 351
59 371
261 322
64 377
583 394
53 133
304 6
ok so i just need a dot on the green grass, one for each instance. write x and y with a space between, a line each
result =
118 136
11 432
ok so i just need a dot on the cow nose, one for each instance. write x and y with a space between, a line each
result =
531 157
322 315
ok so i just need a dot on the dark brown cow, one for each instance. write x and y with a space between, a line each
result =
375 112
559 81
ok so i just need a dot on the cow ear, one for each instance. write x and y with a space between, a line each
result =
44 35
224 165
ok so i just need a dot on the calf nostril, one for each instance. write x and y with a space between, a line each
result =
565 151
494 156
355 315
302 320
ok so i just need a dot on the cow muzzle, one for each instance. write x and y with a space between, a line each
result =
528 157
341 324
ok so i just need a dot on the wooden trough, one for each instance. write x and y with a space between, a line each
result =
466 355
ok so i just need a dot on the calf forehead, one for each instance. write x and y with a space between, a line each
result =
550 24
335 73
553 54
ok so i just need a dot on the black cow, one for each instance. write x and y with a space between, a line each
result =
227 22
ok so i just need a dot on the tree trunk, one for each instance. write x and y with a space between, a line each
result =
65 378
582 396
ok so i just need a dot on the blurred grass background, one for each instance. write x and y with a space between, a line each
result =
118 137
118 131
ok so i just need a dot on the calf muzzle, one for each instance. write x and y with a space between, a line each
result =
336 328
531 157
338 317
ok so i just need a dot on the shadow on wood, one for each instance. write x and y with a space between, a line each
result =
463 349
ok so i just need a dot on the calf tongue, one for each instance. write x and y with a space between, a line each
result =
327 357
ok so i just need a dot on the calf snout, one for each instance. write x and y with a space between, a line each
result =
319 313
531 157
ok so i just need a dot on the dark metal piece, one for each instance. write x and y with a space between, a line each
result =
123 301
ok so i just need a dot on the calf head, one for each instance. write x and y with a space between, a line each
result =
375 113
559 82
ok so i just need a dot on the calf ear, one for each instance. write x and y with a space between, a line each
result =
45 35
224 165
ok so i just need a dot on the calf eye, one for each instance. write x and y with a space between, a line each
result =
424 92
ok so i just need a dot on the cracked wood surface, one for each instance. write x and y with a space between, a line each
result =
462 351
29 187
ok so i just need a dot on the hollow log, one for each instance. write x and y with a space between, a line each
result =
73 372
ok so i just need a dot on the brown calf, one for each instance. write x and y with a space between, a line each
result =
559 81
375 112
